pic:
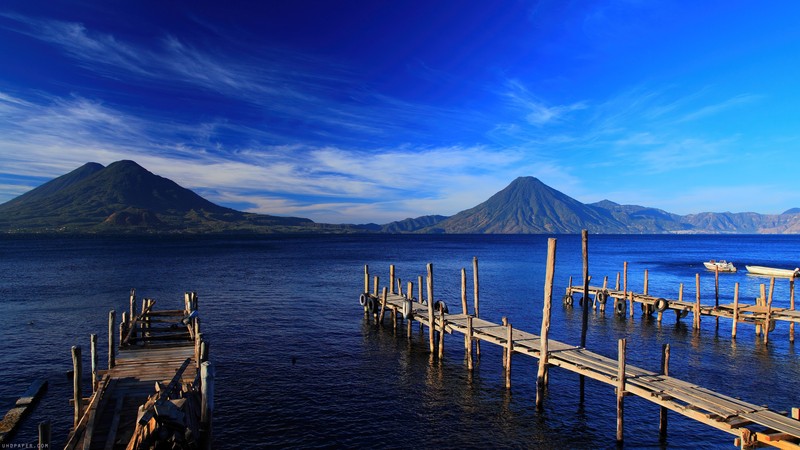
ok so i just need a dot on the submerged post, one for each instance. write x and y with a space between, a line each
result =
548 300
77 389
468 342
111 324
620 388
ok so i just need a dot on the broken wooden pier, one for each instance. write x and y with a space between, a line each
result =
751 424
158 387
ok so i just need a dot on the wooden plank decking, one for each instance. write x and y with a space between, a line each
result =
153 383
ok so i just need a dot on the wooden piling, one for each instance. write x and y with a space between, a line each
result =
431 327
585 317
620 388
697 302
616 286
366 279
77 388
123 324
548 300
375 285
791 308
735 310
475 298
409 296
383 305
716 292
391 278
464 291
662 422
93 348
509 352
769 310
468 342
441 334
111 324
207 403
504 323
646 282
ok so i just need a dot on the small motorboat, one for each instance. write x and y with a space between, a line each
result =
721 265
773 272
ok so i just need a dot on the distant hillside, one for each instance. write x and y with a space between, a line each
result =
125 197
412 225
639 219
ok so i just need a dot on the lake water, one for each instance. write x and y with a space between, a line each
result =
299 367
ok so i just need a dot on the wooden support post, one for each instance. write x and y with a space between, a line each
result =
391 278
421 297
441 334
625 279
366 279
791 308
468 342
620 388
431 327
207 402
646 282
77 388
735 310
795 414
475 298
123 324
662 422
585 317
198 342
509 352
761 301
409 296
383 305
716 293
768 319
204 349
111 324
375 285
464 291
45 435
93 350
697 302
616 286
548 300
504 322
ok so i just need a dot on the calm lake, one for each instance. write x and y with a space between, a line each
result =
298 366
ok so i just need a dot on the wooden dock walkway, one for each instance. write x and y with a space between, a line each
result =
751 424
761 314
158 387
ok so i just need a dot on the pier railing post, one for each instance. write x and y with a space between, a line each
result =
541 376
111 325
77 388
621 389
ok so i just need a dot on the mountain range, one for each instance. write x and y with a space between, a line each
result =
126 198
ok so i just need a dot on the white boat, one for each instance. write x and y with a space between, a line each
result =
721 265
773 272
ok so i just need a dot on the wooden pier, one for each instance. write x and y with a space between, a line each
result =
761 313
158 388
751 424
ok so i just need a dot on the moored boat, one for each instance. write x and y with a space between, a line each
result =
721 265
773 272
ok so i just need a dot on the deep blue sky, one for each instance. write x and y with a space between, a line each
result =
366 111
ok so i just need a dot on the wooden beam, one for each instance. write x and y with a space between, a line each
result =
621 389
